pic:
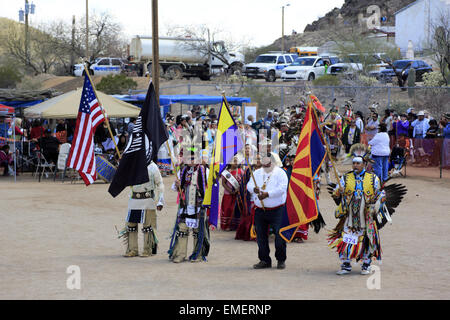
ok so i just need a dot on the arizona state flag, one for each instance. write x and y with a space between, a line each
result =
301 204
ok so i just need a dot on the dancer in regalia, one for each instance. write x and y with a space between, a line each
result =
364 207
191 215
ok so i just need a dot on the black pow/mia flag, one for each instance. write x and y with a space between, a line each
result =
149 133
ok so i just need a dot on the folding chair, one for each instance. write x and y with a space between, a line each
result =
43 167
62 160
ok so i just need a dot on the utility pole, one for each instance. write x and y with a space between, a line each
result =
23 16
209 52
72 45
155 47
282 26
87 30
27 57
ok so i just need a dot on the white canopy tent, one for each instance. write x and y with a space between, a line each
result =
66 106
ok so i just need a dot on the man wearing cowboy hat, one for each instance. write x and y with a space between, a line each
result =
269 194
420 125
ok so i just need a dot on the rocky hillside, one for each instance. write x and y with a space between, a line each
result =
335 21
348 14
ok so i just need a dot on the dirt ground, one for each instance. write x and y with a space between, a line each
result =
48 226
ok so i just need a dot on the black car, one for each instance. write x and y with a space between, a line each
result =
404 66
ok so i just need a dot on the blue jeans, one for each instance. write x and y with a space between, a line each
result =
264 219
381 167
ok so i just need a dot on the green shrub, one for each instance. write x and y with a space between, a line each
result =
116 84
326 80
433 79
400 106
368 81
9 77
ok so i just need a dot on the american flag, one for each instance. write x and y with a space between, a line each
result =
81 157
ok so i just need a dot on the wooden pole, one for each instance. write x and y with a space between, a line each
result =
87 30
246 158
282 28
72 46
326 143
155 48
27 57
175 167
103 111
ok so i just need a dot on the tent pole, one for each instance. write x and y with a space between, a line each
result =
13 126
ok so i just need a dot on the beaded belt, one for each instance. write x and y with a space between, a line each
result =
143 195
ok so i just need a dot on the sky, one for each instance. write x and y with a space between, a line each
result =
253 22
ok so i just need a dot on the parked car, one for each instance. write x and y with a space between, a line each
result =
101 67
268 66
306 68
404 66
349 65
376 64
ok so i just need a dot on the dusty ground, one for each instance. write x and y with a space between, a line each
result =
47 227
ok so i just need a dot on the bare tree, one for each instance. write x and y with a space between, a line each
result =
105 37
50 44
44 48
352 42
440 44
203 40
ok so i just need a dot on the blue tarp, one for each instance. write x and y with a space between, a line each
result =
198 99
20 104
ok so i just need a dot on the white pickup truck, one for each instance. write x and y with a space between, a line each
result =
268 66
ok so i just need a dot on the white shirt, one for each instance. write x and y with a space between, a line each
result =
276 187
380 144
155 183
360 124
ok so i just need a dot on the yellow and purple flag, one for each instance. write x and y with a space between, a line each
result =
301 204
227 143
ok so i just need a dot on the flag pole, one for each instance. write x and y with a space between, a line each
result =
326 142
103 111
245 155
175 167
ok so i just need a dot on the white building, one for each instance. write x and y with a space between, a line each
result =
415 22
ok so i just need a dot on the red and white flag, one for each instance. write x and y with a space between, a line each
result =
90 115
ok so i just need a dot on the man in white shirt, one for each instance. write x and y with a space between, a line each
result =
269 195
420 125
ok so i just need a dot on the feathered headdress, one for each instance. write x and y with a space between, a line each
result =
360 150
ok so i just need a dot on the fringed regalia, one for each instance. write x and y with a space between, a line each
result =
191 216
356 235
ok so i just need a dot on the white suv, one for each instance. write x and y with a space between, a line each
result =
268 66
101 67
305 68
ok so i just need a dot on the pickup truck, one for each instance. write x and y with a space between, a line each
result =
268 66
